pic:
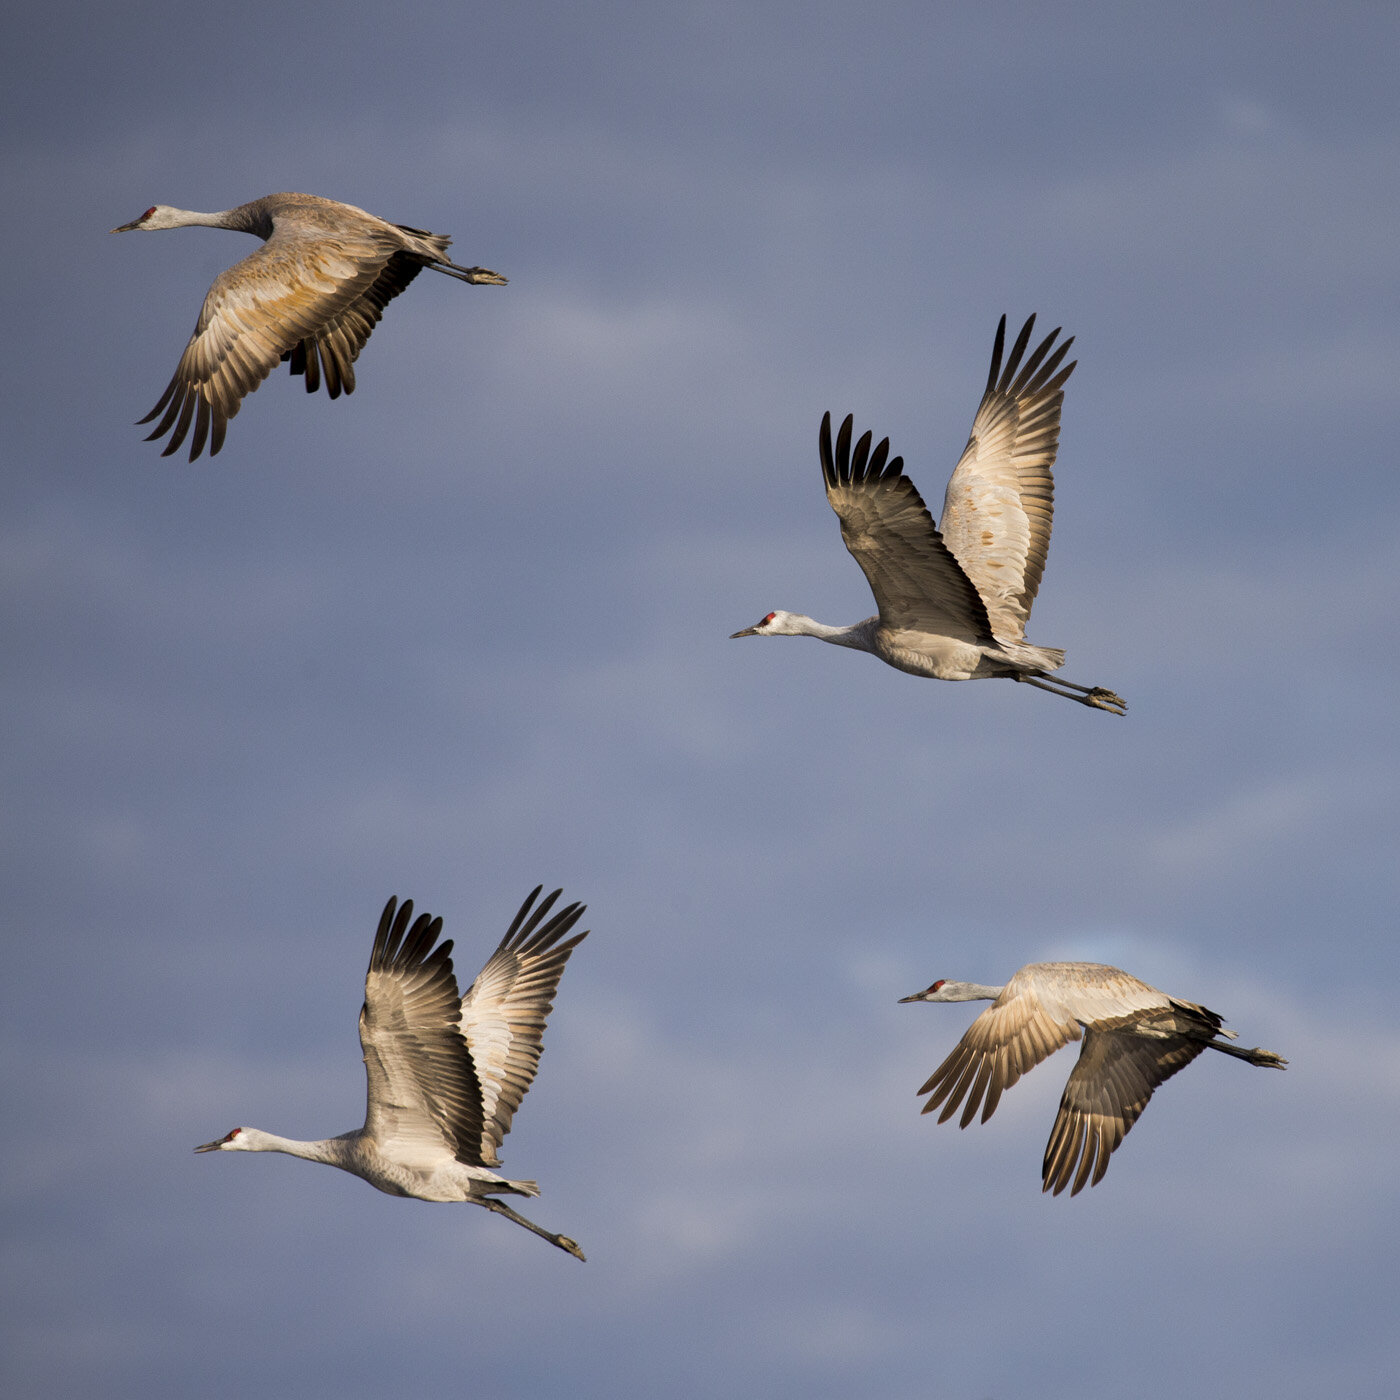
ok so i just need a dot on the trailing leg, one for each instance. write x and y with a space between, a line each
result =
562 1241
1095 696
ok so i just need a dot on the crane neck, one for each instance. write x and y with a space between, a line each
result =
859 635
246 218
335 1151
968 991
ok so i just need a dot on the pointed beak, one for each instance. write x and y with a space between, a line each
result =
125 228
747 632
918 996
218 1143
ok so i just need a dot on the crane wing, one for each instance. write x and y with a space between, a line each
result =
1000 501
504 1013
267 308
1112 1081
423 1090
916 581
1013 1035
338 344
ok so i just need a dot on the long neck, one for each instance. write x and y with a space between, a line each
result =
246 218
967 991
859 635
335 1151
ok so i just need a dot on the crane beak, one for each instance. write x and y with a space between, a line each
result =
747 632
125 228
218 1143
918 996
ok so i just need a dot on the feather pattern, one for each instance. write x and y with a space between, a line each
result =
917 582
310 296
1000 501
1134 1038
953 599
503 1014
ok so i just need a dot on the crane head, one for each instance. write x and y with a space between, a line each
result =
157 216
776 624
928 994
236 1141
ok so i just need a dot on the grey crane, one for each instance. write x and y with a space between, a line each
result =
445 1072
311 295
1135 1038
954 600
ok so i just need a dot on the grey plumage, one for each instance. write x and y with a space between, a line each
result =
1135 1038
445 1073
310 296
954 599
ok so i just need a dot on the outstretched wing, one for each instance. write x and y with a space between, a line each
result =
1013 1035
1000 501
504 1013
423 1095
916 581
260 310
338 344
1112 1081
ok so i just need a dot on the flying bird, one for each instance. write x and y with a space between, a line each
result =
954 600
1135 1038
311 294
446 1072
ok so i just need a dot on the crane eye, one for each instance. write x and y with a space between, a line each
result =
149 212
938 984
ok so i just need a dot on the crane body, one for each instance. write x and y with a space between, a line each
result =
445 1073
1134 1038
954 599
310 295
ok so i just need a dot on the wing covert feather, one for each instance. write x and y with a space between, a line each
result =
1113 1079
259 312
504 1012
421 1083
915 578
1013 1035
1000 502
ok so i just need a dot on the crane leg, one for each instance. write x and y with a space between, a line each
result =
1095 696
563 1241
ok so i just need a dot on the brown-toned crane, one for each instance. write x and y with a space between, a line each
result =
1135 1038
310 295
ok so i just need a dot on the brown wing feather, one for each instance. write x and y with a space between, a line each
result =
1113 1079
916 581
1012 1036
256 313
1000 502
418 1068
338 345
504 1012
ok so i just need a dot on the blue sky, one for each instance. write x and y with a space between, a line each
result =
467 631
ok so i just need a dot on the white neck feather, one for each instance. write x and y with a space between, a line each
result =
336 1151
967 991
858 635
191 218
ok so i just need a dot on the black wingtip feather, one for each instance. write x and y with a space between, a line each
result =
998 345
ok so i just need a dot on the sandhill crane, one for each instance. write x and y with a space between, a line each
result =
311 294
1135 1038
954 601
446 1072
